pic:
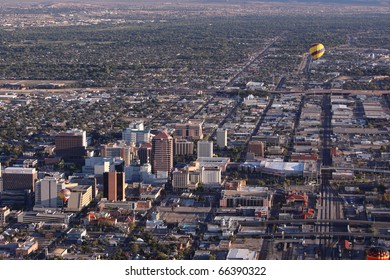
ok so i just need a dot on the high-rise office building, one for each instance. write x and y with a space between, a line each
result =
17 178
136 133
80 197
205 149
180 179
162 153
71 145
114 186
89 180
119 149
145 153
183 147
47 192
221 137
191 130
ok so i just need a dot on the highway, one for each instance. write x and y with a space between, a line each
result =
335 91
328 202
324 236
373 170
334 221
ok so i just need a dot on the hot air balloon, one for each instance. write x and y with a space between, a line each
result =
377 253
317 50
64 195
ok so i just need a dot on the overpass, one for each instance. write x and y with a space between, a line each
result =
329 221
324 235
373 170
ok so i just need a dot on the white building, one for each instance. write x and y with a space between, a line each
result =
255 85
47 191
119 149
4 212
136 134
97 165
205 149
101 167
80 197
211 176
241 254
220 162
222 137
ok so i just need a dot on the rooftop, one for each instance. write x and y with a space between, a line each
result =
19 170
163 135
241 254
284 166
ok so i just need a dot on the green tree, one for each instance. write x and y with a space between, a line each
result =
134 248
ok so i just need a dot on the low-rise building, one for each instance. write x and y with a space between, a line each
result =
76 233
47 217
27 248
242 254
148 192
247 196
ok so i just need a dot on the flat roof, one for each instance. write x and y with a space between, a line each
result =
80 188
358 130
183 214
241 254
76 230
213 159
285 166
19 170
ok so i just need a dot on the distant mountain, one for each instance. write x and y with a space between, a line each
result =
152 2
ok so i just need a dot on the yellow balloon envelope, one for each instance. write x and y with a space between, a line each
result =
64 194
317 50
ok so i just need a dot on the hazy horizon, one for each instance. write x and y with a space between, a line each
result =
181 2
